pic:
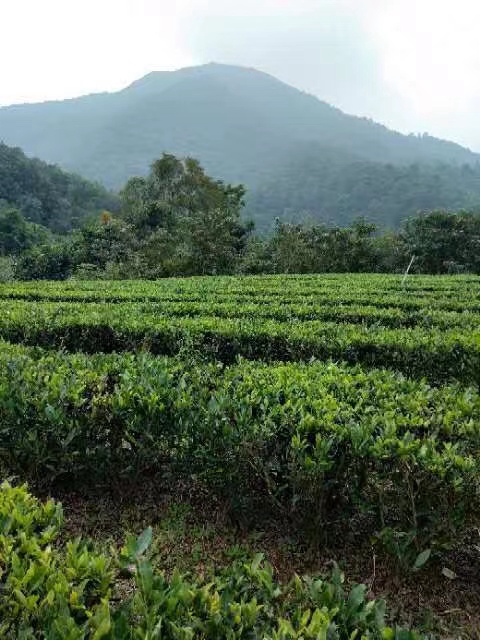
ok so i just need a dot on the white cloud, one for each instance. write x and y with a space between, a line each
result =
62 48
431 54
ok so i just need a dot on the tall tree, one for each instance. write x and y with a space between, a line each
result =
214 240
16 233
107 239
175 188
443 242
186 222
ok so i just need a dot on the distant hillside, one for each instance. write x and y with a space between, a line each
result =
327 186
242 124
47 195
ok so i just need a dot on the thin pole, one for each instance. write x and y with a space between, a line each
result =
408 269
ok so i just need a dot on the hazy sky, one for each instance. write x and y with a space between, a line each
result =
411 64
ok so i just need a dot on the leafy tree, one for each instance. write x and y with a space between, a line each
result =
175 188
257 257
361 255
6 269
443 242
46 195
214 240
297 248
16 234
185 221
45 262
390 253
291 249
107 239
158 255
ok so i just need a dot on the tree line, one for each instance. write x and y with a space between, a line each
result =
178 221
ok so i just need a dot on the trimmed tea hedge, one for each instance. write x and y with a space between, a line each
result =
318 442
441 355
420 293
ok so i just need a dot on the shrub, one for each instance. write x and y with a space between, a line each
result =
44 262
62 591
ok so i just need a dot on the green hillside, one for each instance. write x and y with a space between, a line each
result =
46 195
332 188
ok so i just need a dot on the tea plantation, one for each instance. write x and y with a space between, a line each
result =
333 403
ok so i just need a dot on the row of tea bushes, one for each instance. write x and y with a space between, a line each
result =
54 590
440 355
443 294
327 311
271 283
318 443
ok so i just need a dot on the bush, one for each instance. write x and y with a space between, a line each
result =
45 262
6 269
62 591
47 592
319 443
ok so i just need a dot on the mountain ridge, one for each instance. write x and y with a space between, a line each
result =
243 125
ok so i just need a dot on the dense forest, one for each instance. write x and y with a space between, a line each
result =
330 188
180 221
299 158
45 195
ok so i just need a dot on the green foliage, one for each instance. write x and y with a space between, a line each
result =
176 221
102 241
176 188
44 262
437 344
16 234
444 243
55 593
318 442
47 196
6 269
331 188
441 242
62 592
319 249
214 240
186 222
179 221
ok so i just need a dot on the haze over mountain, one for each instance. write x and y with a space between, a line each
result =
245 126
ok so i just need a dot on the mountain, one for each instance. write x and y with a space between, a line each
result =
333 188
46 195
242 124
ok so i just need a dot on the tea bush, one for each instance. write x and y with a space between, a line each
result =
317 442
57 590
439 354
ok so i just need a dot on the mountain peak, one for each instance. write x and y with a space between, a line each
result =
243 125
209 68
